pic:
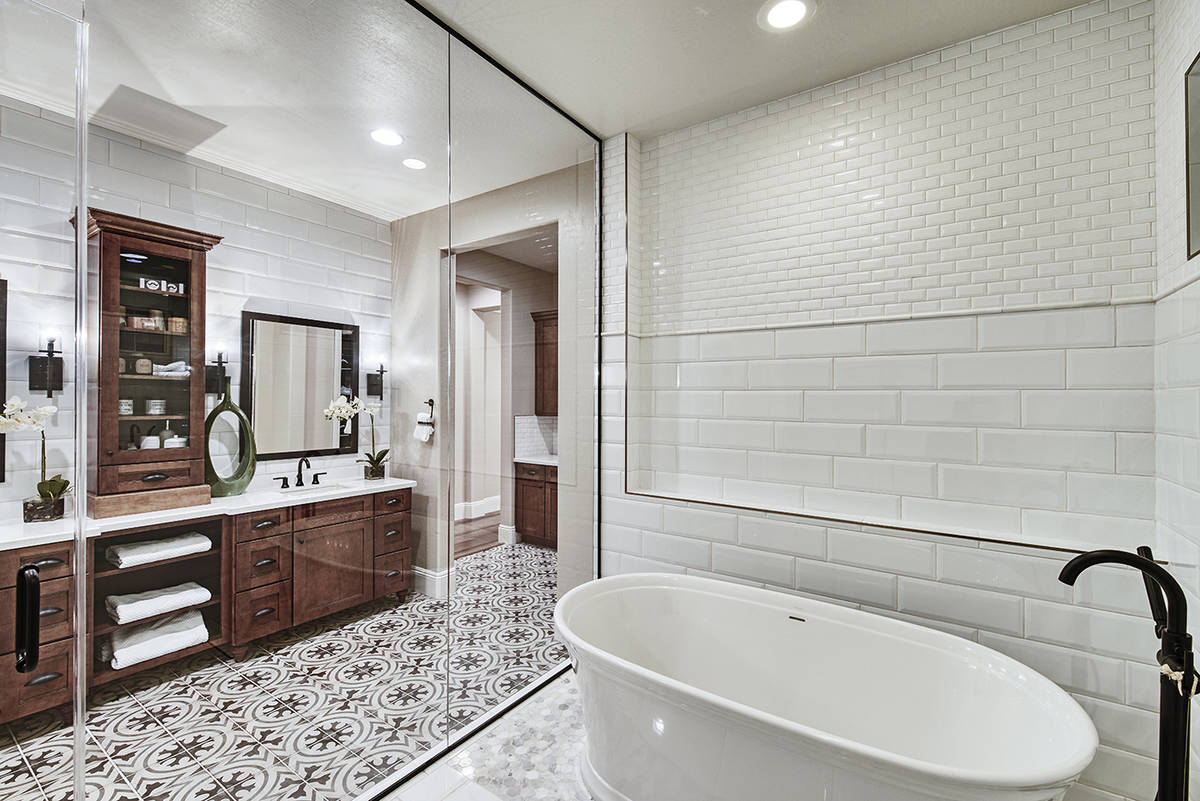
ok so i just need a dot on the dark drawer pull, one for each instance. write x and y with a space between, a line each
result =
265 524
264 562
49 610
392 501
152 477
392 574
49 561
43 679
265 611
392 533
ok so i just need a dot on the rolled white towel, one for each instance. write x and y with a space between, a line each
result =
140 605
142 553
161 637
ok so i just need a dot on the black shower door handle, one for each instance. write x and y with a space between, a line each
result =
29 607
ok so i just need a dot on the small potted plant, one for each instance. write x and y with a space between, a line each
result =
373 462
49 505
343 409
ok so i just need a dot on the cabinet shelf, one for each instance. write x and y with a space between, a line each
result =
153 332
103 624
131 288
105 569
141 377
182 416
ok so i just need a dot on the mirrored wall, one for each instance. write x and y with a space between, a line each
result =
339 279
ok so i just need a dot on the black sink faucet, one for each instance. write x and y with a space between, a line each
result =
1178 682
300 465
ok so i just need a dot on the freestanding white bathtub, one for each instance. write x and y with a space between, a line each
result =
703 690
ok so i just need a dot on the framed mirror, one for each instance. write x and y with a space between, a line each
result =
292 368
1192 122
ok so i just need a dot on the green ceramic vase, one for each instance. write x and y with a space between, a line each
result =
235 484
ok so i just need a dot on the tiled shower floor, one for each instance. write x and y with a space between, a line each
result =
322 711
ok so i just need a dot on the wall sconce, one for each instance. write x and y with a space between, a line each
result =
46 372
375 383
214 375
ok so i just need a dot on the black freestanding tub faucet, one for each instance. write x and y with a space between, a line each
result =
1178 682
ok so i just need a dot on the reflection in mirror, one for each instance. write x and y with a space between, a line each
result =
1192 116
292 369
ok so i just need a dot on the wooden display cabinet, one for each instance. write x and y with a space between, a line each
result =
149 307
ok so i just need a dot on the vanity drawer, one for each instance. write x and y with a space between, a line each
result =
531 472
263 561
393 532
53 561
55 614
257 525
552 474
150 476
395 501
393 572
48 685
262 611
325 513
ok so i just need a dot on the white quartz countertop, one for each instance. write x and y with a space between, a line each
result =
30 534
549 461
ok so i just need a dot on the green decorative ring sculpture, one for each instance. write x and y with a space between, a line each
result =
235 484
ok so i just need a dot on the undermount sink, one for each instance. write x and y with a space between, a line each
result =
310 488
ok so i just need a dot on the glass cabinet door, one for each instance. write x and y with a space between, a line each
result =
150 319
154 323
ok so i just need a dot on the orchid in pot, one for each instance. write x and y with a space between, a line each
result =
16 416
344 409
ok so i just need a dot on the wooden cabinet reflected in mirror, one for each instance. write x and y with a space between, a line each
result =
1192 120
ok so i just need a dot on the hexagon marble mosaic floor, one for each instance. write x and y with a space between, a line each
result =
322 711
530 754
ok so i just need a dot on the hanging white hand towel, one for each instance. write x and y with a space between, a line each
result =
141 553
140 605
151 640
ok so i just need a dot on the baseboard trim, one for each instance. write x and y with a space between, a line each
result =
470 510
508 535
434 583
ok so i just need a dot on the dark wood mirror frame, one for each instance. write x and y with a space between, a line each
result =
349 442
1191 131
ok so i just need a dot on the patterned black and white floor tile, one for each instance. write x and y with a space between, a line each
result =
322 711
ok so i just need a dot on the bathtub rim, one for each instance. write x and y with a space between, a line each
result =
878 761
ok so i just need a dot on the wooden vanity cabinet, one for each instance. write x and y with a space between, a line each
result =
545 362
536 500
49 684
296 564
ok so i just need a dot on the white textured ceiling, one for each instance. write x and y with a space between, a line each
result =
289 90
650 66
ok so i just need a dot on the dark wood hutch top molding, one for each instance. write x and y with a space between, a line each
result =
112 222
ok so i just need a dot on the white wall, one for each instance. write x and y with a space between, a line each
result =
1009 171
1096 244
282 252
1177 381
477 370
422 282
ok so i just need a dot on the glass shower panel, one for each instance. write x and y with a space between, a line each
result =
286 161
522 345
40 746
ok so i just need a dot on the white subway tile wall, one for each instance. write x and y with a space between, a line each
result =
1177 375
534 437
1010 171
907 420
295 252
962 427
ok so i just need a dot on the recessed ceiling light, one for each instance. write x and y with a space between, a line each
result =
780 15
414 164
386 136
